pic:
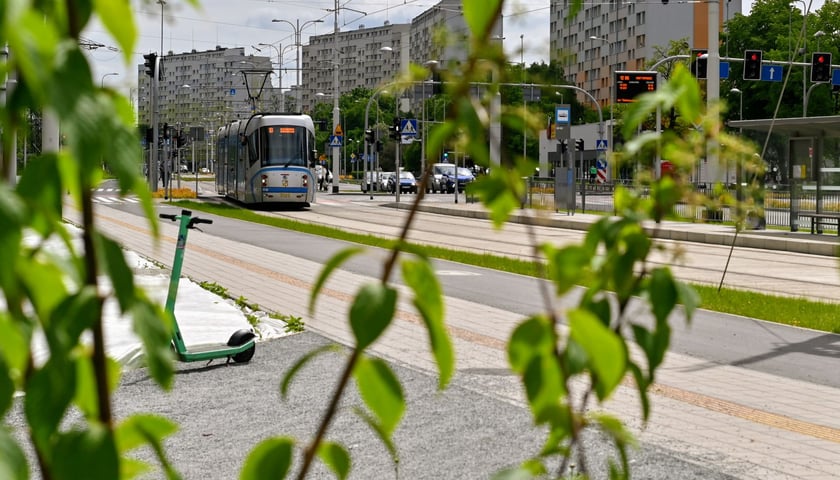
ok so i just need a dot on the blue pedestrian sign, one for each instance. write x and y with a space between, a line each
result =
724 70
232 92
336 140
772 73
601 145
835 77
408 127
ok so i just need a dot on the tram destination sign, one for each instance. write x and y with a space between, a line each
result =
629 85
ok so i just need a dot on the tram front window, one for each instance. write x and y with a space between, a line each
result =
284 146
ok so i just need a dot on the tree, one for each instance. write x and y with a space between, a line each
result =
549 350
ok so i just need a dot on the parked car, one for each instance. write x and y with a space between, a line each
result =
408 184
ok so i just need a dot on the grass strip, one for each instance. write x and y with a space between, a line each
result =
799 312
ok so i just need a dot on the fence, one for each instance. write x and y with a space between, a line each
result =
598 198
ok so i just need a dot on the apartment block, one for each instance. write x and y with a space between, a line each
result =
615 35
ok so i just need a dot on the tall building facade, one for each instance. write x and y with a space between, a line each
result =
364 57
616 35
204 89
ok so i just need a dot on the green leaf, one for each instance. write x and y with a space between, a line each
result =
141 429
48 394
567 266
480 15
14 347
428 298
86 393
297 366
13 465
7 387
689 299
606 351
122 278
271 458
334 262
372 312
379 431
381 391
90 454
150 430
154 327
118 18
336 457
532 338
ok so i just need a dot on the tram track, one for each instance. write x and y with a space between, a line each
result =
764 271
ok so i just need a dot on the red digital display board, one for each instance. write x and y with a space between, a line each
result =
629 85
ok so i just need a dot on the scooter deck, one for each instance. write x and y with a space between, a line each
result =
213 351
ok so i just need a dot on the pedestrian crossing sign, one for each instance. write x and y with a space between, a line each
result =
336 140
408 127
601 145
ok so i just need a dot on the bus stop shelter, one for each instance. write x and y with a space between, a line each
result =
811 176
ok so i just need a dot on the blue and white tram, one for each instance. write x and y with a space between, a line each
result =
267 159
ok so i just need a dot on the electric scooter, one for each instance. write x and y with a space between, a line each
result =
241 345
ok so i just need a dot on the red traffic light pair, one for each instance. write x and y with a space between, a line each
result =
752 64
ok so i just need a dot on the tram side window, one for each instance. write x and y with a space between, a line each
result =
284 146
253 149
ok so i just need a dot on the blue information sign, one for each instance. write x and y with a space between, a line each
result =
835 77
724 69
772 73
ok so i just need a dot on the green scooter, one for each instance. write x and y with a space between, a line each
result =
241 345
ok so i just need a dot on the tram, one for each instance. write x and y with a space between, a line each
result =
267 160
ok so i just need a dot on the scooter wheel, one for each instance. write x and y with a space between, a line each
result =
241 337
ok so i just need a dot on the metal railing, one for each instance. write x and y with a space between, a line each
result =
598 198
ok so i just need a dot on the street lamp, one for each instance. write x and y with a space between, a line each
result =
102 81
280 51
297 28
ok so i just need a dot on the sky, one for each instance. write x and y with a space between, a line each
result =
247 23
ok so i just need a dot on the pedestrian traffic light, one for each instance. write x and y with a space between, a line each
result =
166 131
579 145
821 67
752 64
370 136
699 61
395 129
379 146
564 146
150 64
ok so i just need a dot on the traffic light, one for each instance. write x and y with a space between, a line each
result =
166 131
821 67
395 129
150 64
370 136
437 83
579 145
752 64
379 146
699 60
564 146
445 157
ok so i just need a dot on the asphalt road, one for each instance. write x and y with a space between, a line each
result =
224 411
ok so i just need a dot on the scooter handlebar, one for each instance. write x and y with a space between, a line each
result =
195 220
168 216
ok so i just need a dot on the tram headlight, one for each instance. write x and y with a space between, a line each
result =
306 180
264 180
